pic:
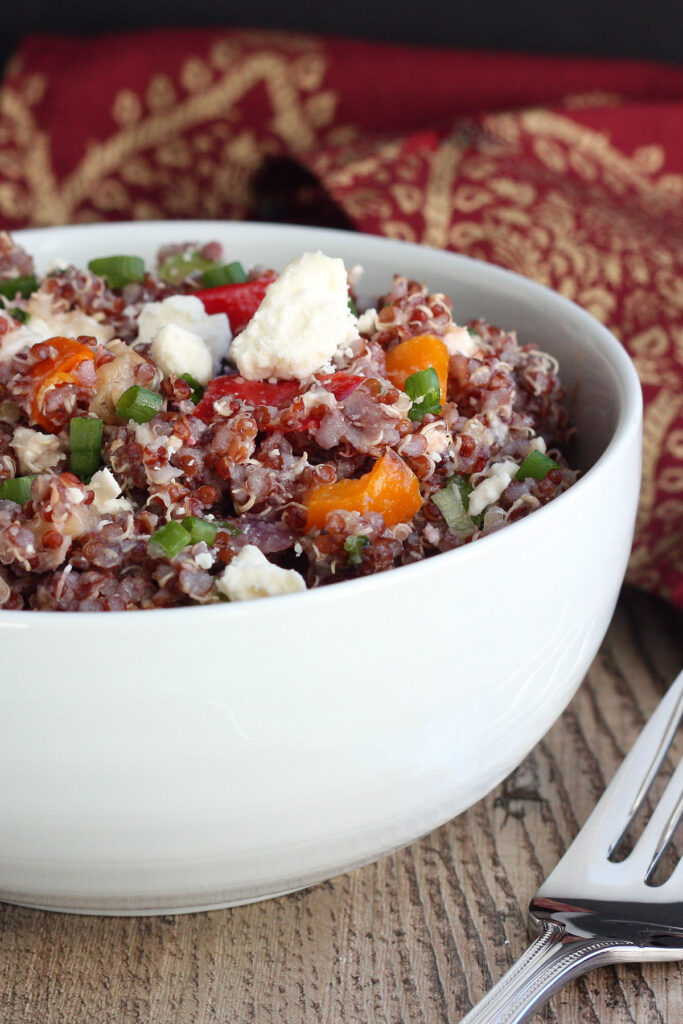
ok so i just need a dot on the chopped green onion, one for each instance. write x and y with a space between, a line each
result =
200 529
452 501
353 307
19 314
17 489
180 265
85 446
118 270
230 528
197 388
474 332
462 482
231 273
139 404
424 389
21 285
353 546
537 465
171 538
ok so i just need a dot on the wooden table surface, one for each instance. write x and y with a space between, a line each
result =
417 937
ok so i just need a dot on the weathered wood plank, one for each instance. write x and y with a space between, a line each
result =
414 939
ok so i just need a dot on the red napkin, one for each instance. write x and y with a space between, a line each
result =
566 170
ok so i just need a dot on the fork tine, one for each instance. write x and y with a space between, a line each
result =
651 748
663 823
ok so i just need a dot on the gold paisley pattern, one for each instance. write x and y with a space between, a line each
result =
534 190
137 171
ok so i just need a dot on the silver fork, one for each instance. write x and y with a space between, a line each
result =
593 911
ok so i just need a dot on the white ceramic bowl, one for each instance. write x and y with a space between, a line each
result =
198 757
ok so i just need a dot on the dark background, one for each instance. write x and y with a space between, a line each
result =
629 28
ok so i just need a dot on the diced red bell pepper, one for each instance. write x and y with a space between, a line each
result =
256 392
279 395
341 384
54 371
239 301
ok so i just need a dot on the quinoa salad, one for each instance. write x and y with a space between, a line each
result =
199 430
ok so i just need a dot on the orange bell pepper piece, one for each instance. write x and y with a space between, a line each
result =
53 371
390 488
417 354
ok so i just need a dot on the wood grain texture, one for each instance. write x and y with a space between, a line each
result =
413 939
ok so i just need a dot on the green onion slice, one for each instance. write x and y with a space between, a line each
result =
231 273
452 504
230 528
424 390
536 465
353 307
180 265
473 332
23 286
353 546
17 489
197 388
200 529
85 446
19 314
118 271
139 404
170 538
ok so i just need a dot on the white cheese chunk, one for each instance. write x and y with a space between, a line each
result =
368 322
15 340
36 452
498 476
47 322
107 493
459 340
187 311
302 323
204 560
177 350
250 575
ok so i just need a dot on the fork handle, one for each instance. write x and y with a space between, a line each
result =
550 963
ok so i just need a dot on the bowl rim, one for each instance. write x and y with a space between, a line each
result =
628 422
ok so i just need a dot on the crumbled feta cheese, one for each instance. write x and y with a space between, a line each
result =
203 560
36 452
15 340
496 479
144 434
368 322
355 273
431 534
303 321
187 311
177 350
438 438
108 499
250 575
47 322
459 340
318 396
